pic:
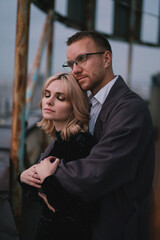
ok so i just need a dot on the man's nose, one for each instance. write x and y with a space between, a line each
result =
76 68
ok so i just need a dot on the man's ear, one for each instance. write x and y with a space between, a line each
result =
108 58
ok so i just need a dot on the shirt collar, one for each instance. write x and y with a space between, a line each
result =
103 92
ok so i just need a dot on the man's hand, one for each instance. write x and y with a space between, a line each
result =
31 177
46 168
43 196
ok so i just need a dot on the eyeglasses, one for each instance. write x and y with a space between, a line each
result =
81 61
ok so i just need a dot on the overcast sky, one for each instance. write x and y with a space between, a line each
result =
145 63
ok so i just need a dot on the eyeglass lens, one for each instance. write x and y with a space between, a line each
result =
80 61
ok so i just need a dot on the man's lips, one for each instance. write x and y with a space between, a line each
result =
80 78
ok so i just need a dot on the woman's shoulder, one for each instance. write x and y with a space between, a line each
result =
83 140
83 137
79 146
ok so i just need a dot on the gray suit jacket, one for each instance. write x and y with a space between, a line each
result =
117 175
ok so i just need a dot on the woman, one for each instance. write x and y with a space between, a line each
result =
65 112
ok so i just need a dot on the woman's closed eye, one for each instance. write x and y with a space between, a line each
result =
47 94
61 97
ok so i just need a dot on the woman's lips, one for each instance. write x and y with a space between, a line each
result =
48 110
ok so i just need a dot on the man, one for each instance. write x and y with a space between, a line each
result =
117 175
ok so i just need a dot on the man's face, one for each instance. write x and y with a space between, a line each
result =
92 75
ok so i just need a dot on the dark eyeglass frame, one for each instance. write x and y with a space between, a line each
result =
70 64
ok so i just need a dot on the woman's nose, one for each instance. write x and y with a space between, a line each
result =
50 101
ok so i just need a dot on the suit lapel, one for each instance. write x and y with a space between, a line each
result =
48 151
118 89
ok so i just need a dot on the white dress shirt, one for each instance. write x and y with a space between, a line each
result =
97 101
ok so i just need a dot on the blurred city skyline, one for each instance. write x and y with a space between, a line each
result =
145 60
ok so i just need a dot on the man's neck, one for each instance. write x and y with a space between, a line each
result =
104 83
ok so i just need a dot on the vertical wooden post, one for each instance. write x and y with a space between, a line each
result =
50 43
90 15
18 112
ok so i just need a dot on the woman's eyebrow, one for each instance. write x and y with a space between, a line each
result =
56 93
47 91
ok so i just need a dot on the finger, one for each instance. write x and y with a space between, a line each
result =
57 161
35 180
52 209
41 194
42 197
50 158
36 176
33 173
54 165
31 183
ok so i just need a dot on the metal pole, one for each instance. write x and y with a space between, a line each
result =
131 40
18 112
159 25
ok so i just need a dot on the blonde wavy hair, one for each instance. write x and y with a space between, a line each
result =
79 118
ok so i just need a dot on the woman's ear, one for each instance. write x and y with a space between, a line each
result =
108 58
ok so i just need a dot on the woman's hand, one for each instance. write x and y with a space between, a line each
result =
31 177
46 168
43 196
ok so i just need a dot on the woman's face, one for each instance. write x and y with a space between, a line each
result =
54 105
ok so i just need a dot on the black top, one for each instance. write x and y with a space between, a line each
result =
70 209
66 204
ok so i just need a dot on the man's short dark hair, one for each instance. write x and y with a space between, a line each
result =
98 38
